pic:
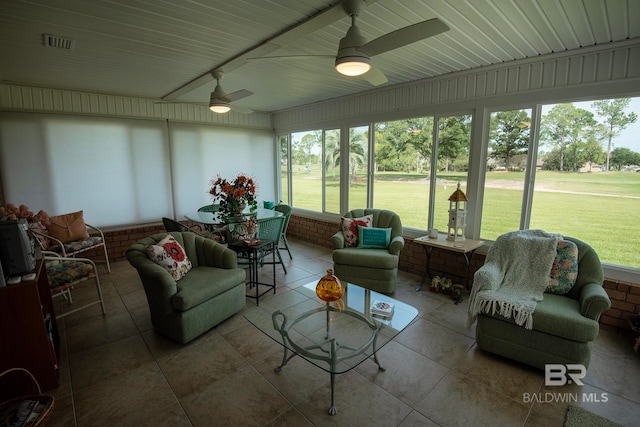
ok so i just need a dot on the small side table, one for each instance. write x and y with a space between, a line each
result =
466 248
255 253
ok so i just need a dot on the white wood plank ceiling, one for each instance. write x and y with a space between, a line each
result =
166 48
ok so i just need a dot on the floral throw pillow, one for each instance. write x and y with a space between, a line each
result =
171 255
350 229
564 271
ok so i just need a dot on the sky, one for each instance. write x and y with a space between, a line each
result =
630 137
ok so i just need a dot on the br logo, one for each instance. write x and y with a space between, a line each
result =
559 374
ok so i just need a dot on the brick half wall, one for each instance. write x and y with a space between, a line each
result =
625 297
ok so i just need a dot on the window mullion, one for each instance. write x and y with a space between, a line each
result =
433 173
530 173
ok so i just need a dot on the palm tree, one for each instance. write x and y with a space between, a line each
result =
332 150
358 149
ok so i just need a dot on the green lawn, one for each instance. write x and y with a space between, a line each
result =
602 209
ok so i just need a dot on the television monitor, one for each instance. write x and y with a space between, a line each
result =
17 248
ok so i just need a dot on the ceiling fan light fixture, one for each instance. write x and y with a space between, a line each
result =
219 107
353 66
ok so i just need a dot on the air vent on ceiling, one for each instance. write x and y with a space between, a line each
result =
59 42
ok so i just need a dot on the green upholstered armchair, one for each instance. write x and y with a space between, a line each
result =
564 326
372 268
209 293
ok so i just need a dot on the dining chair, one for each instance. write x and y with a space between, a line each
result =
173 225
271 229
217 231
214 207
286 211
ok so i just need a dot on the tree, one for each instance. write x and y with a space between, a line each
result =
332 150
509 135
615 119
566 128
403 145
592 151
358 150
621 157
302 149
453 138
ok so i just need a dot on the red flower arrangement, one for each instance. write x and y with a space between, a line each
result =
234 194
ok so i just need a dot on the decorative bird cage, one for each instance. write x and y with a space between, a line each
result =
457 215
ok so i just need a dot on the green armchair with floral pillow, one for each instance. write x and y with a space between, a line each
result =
192 283
564 323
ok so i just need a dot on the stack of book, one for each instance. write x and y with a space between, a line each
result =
382 308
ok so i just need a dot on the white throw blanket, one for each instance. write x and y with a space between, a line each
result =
515 276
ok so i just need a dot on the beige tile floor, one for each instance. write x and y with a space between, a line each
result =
116 371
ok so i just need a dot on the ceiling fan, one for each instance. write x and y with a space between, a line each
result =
220 101
354 52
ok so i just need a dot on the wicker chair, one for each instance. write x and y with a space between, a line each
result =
286 211
271 229
218 233
215 207
172 225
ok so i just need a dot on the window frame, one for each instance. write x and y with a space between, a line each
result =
480 121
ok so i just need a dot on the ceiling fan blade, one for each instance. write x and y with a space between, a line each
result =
239 94
375 76
241 110
288 57
404 36
182 102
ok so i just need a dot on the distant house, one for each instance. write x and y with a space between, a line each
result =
590 167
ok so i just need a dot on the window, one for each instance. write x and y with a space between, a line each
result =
554 167
505 172
402 167
358 167
405 172
285 172
332 171
306 172
586 185
454 142
583 184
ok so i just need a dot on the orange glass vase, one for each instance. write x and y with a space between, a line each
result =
329 288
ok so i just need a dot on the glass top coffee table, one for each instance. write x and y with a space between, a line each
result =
334 339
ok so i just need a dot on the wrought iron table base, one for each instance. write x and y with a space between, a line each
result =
427 271
254 255
330 354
